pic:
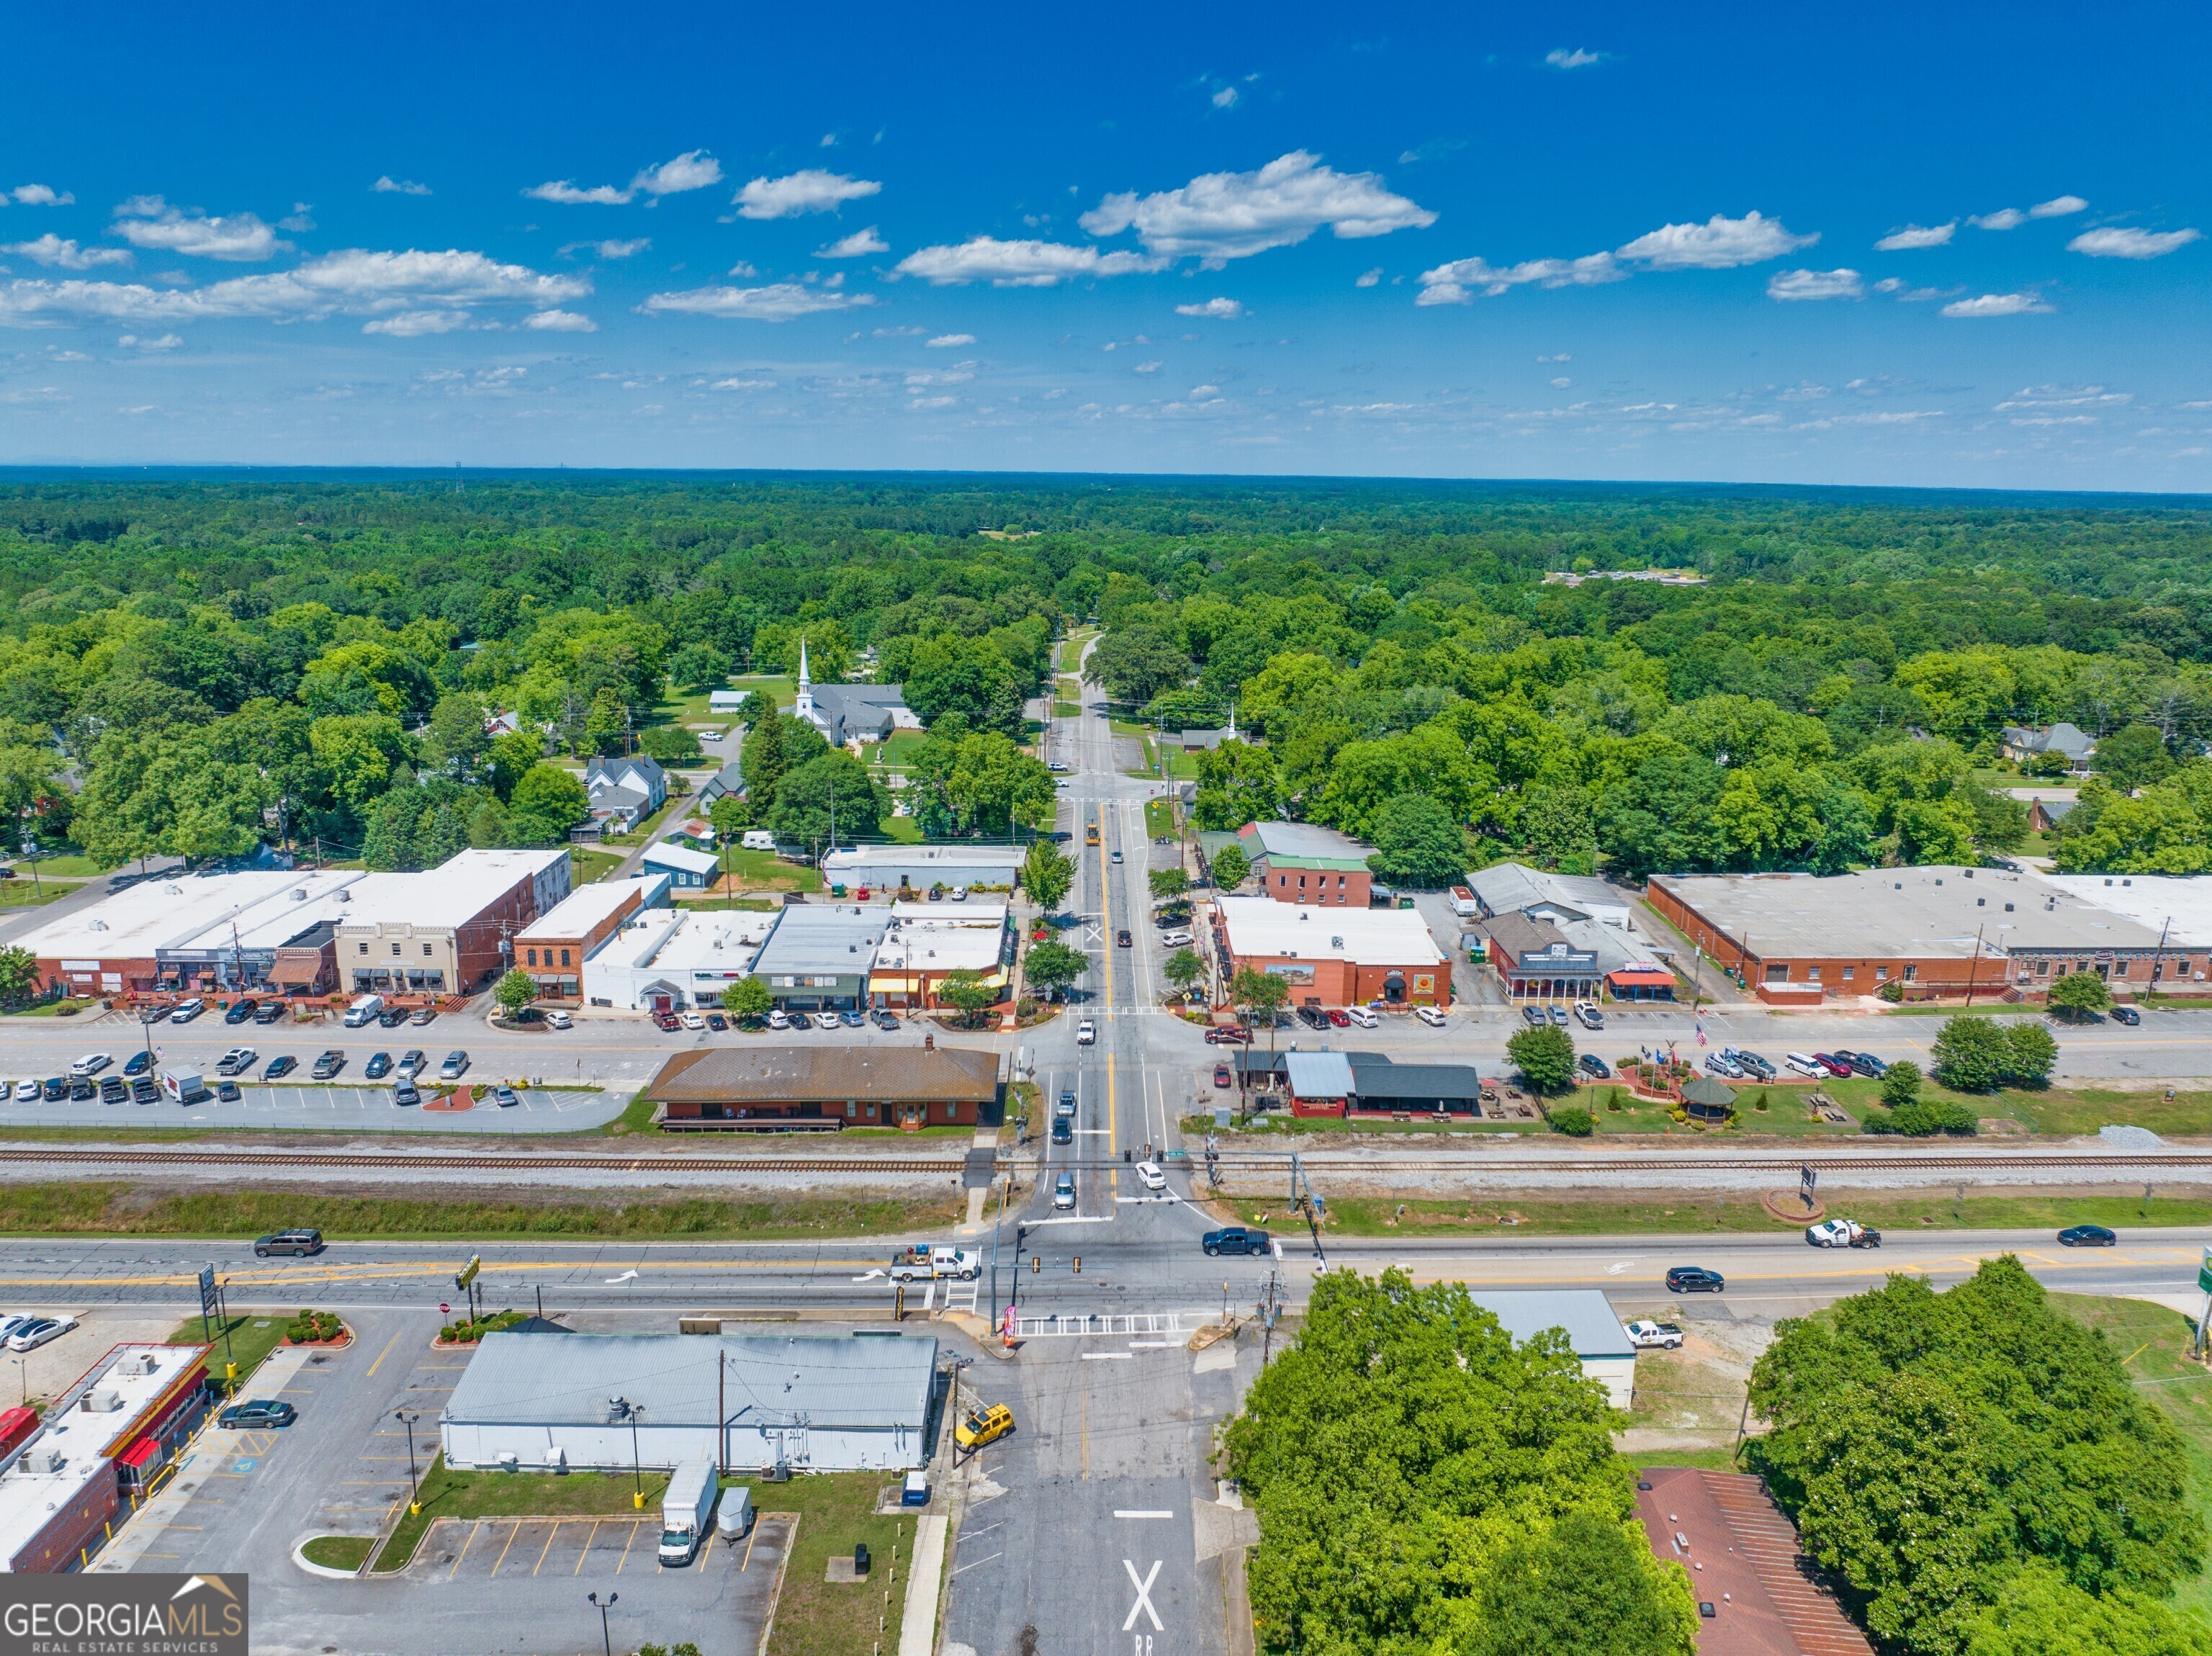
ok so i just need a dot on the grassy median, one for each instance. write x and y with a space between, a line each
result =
115 1208
817 1616
446 1492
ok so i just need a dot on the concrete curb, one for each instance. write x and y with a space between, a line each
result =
300 1557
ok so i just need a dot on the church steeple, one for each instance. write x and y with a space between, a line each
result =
803 705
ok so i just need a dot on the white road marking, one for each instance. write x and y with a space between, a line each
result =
627 1276
1123 1512
868 1277
1144 1596
1107 1356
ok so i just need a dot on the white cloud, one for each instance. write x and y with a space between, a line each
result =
1905 292
559 322
1221 310
2117 241
1458 282
2005 218
694 170
1147 367
1563 356
142 407
167 342
2056 207
780 301
744 267
41 195
1561 57
1201 393
388 186
568 195
943 341
1814 284
53 250
299 218
1916 235
1719 244
150 222
413 325
629 249
354 283
1226 215
859 245
1226 98
1368 278
743 385
810 190
1561 383
1997 304
1020 263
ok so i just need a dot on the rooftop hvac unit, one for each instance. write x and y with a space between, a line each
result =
99 926
507 1460
1336 943
43 1460
102 1400
299 893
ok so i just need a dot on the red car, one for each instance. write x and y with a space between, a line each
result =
1222 1077
1834 1065
1229 1035
1339 1017
667 1020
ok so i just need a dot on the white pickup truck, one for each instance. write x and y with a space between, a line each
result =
936 1260
1842 1232
1644 1332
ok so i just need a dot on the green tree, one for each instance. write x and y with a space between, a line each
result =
548 801
1901 1083
1545 1057
2077 993
1167 882
748 999
1237 785
1970 1054
606 726
2039 1613
457 743
1383 1529
512 755
776 745
1230 867
388 843
1137 663
730 815
1047 875
671 744
967 678
966 991
1051 965
1417 843
1258 995
19 973
835 789
1919 1117
1183 969
515 992
2132 757
1573 1120
2030 1054
698 667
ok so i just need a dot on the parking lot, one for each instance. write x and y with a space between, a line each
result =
596 1549
536 1110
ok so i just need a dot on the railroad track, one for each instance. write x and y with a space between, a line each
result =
475 1161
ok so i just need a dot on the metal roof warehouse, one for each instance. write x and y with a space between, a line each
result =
545 1400
826 1087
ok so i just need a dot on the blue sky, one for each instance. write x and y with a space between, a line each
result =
1896 245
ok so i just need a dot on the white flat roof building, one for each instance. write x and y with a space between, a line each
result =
935 938
2179 905
1261 926
459 888
304 902
162 913
664 958
590 906
892 866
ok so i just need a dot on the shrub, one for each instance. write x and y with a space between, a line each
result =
1574 1121
1759 1103
1613 1101
1892 992
313 1325
1902 1084
1923 1118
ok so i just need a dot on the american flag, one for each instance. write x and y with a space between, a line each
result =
1701 1032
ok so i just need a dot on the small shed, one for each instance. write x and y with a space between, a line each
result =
1706 1099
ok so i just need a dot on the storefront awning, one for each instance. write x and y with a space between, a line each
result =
1640 980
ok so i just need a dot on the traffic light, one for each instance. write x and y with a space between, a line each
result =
1079 1264
1037 1262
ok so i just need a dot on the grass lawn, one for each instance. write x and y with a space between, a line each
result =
446 1493
52 1009
1785 1116
898 752
252 1336
73 865
1159 818
2058 1109
1704 1460
764 870
819 1618
590 863
114 1207
338 1552
25 893
1604 1216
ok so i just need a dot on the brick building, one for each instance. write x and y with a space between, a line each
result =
735 1089
553 947
450 929
1299 863
1334 958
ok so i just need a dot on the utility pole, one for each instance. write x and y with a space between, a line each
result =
1974 967
2158 959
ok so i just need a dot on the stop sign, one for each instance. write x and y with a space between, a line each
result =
444 1309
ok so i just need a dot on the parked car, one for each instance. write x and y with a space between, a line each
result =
137 1064
82 1087
667 1020
853 1020
1590 1017
778 1018
1836 1069
825 1020
1751 1063
1150 1175
405 1092
1063 1191
455 1066
236 1061
2086 1236
1235 1238
91 1063
412 1062
1222 1077
29 1092
1431 1016
56 1089
1558 1015
1339 1018
691 1020
1362 1015
269 1011
1643 1333
241 1009
2126 1015
884 1020
225 1091
378 1067
561 1021
282 1065
185 1011
1728 1069
145 1091
113 1089
1533 1016
1121 938
984 1426
392 1017
328 1065
1694 1279
716 1022
302 1243
1177 939
1593 1066
1313 1018
1808 1064
39 1330
505 1096
261 1414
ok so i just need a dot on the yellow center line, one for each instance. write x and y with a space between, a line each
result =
380 1273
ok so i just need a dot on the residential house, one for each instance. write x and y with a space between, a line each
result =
2025 741
730 779
688 869
631 775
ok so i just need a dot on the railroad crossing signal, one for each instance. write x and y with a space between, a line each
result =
1079 1264
1037 1264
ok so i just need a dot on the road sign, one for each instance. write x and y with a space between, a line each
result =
2204 1271
445 1310
207 1302
468 1273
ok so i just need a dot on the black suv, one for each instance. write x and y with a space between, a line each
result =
1235 1240
1063 1130
1694 1279
241 1011
392 1017
298 1243
1313 1018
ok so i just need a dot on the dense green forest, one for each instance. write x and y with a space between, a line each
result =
191 664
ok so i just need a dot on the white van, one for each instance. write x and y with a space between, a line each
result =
363 1011
1362 1016
1805 1066
758 840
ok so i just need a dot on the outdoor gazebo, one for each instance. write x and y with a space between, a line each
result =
1705 1099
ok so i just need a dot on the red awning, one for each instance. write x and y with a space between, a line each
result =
1640 980
140 1453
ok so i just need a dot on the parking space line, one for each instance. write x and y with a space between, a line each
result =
627 1545
515 1530
586 1551
547 1547
463 1552
381 1356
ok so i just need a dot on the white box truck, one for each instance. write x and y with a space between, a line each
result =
685 1509
1463 903
183 1086
364 1010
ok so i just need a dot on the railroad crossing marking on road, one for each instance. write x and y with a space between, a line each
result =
1144 1597
1140 1322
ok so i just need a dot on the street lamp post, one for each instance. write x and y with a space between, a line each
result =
624 1407
606 1639
414 1481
